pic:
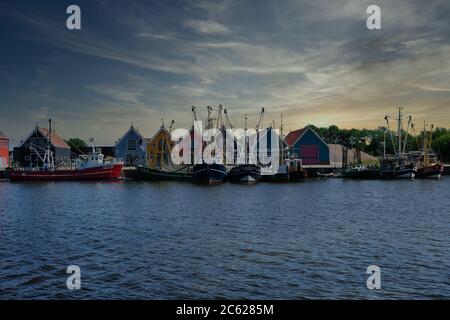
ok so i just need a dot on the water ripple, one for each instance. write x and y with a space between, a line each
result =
268 241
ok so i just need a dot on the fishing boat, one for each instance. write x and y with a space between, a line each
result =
88 167
286 166
149 174
209 173
92 166
428 164
430 171
295 170
159 165
204 172
249 173
282 175
398 167
245 173
360 171
392 169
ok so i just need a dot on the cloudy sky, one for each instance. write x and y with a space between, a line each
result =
140 61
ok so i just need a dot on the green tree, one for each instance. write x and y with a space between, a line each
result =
76 143
441 145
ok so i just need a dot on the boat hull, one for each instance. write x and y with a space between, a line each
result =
297 175
281 176
245 174
209 173
400 172
107 172
361 175
431 172
4 174
148 174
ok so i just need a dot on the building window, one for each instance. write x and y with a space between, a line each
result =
132 144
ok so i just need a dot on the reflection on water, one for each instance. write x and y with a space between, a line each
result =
267 241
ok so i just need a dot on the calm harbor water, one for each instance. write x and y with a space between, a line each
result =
267 241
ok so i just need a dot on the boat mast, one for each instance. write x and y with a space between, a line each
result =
399 132
406 135
48 157
429 143
219 118
228 119
390 132
261 117
246 139
194 111
171 125
209 108
425 144
281 139
49 132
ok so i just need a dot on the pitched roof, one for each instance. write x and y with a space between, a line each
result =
293 136
57 141
161 129
2 136
131 129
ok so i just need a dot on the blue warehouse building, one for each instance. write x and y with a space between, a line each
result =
131 148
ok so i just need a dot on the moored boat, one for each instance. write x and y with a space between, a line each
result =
433 171
209 173
399 166
390 169
86 167
282 175
149 174
428 164
360 172
325 175
90 167
95 173
245 173
295 169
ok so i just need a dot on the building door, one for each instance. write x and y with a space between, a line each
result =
131 159
309 154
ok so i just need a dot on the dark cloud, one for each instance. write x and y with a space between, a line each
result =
139 61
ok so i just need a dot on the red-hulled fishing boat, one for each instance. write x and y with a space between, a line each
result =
86 167
90 167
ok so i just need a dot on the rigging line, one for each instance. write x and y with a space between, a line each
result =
68 142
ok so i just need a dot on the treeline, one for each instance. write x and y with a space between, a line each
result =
371 140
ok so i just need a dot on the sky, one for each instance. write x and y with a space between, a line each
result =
142 61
